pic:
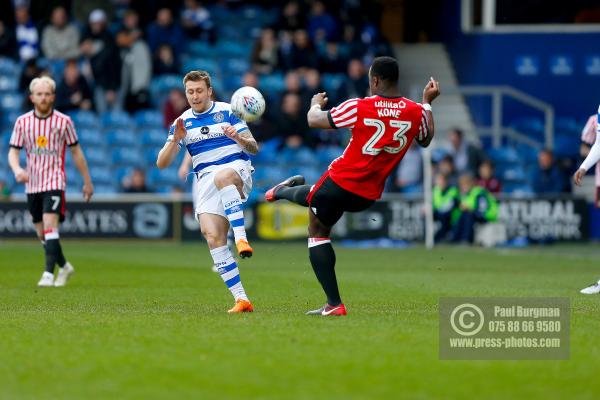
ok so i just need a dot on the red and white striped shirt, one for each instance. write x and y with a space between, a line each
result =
382 130
45 141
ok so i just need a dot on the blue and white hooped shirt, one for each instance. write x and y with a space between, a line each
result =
205 140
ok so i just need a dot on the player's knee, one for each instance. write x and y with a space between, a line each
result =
213 238
226 177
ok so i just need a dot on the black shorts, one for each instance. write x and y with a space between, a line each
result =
51 202
328 201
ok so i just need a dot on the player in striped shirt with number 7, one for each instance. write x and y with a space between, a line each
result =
383 127
45 133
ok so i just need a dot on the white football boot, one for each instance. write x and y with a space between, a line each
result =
63 275
47 280
592 289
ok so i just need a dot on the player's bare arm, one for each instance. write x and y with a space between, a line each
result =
592 158
171 148
21 175
317 118
244 139
430 93
82 167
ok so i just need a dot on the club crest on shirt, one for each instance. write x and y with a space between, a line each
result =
218 117
204 130
41 141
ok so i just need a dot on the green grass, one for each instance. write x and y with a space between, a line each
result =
147 320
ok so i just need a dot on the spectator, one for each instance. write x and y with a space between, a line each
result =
135 183
99 48
487 180
60 39
196 21
291 122
446 167
165 31
136 70
302 53
466 156
8 42
321 25
477 205
354 47
164 61
357 82
27 34
175 105
291 18
30 70
548 177
446 211
73 92
331 60
265 52
312 86
409 175
292 83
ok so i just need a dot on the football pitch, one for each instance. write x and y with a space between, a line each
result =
145 320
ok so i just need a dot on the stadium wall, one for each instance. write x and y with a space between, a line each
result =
396 218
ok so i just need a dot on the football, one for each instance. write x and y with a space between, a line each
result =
247 103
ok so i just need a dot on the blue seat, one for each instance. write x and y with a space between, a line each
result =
122 137
11 102
161 177
102 175
117 120
514 173
148 118
9 67
232 82
126 156
9 118
104 188
567 145
325 155
95 155
201 63
504 154
518 189
272 83
91 137
235 66
332 82
198 48
162 84
85 119
8 83
233 48
153 137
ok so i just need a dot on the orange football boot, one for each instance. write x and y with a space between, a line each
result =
241 306
244 249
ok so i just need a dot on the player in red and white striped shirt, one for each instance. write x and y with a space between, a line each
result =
45 133
383 127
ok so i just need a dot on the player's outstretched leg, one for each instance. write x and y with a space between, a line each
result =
592 289
292 189
234 209
230 274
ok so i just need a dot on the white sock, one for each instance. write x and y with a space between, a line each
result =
229 271
234 209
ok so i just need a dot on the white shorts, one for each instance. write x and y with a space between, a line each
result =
206 195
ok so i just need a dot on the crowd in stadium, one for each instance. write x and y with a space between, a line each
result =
115 58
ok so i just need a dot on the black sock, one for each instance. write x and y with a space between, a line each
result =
322 258
60 259
296 194
52 254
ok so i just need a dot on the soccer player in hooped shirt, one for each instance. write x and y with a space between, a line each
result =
219 144
592 158
45 133
383 127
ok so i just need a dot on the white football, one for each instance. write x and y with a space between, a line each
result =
247 104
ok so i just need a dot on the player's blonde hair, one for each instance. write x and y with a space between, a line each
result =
42 79
196 76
